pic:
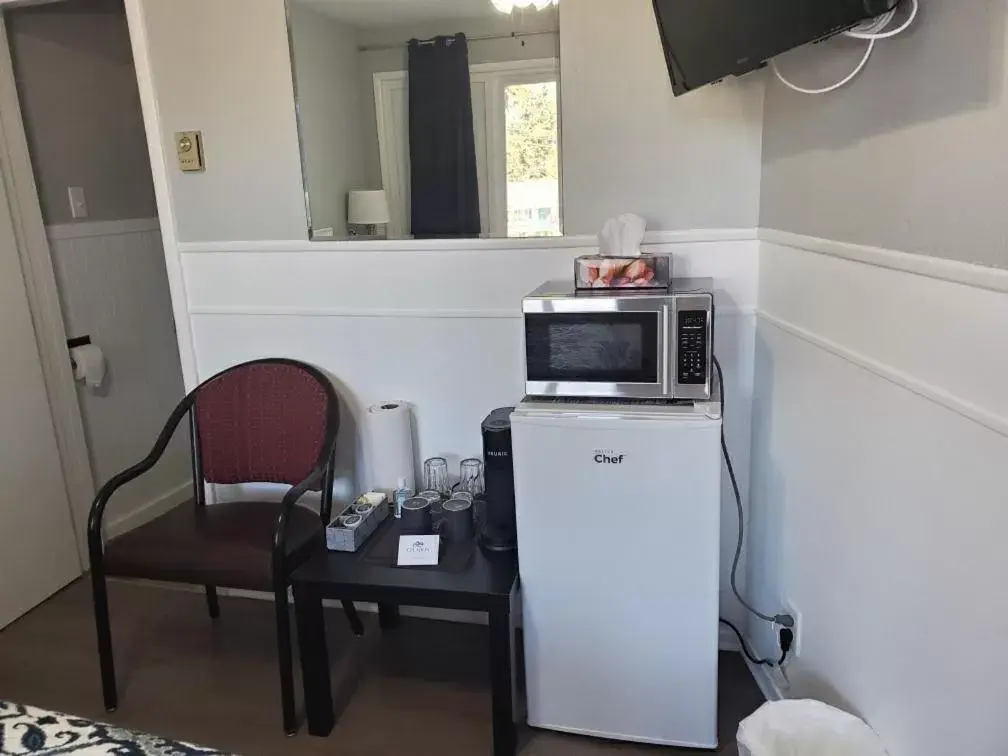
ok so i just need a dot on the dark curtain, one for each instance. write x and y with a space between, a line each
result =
445 190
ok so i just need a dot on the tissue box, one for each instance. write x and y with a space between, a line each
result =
602 272
352 527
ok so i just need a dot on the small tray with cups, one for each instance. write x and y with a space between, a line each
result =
352 527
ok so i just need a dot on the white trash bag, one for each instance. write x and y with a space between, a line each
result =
806 728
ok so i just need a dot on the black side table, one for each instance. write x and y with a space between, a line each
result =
467 578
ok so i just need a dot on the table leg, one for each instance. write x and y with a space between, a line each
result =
314 654
388 616
502 682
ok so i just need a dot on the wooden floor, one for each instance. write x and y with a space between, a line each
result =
423 690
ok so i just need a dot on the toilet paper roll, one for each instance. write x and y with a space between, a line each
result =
89 364
390 446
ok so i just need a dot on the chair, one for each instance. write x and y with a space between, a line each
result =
267 421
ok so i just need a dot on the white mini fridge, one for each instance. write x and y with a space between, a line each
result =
618 511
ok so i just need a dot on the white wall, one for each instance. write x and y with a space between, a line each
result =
880 435
393 322
327 67
81 111
223 67
912 154
78 91
629 146
113 287
880 424
452 345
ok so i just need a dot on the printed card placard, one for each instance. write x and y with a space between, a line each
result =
419 550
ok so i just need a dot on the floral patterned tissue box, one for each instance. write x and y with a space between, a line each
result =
643 272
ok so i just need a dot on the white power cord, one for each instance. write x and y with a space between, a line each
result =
872 31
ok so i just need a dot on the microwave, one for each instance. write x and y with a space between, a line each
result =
622 344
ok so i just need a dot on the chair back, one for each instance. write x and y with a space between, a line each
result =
268 421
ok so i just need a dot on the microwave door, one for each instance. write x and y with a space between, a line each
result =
596 354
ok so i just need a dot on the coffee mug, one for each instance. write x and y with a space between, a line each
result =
456 525
416 517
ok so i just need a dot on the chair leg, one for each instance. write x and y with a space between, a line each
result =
353 618
286 661
213 606
105 659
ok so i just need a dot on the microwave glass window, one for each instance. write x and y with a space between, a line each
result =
596 347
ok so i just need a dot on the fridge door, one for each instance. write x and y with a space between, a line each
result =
618 538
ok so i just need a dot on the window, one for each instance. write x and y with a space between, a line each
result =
516 121
533 158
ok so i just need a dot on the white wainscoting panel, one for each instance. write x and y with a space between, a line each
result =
441 330
878 502
925 330
113 287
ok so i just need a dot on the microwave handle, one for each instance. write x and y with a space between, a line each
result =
666 346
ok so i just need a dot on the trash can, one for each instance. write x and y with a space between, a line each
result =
806 728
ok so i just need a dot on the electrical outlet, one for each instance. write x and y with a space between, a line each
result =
795 612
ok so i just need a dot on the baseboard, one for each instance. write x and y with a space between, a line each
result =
147 512
771 682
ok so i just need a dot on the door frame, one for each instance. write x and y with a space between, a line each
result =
43 298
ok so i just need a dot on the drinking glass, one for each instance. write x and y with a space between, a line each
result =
462 496
436 476
471 477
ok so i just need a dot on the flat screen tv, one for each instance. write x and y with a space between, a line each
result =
707 40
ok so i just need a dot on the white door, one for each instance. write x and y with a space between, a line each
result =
38 553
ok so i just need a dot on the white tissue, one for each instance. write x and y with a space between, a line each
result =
88 365
622 236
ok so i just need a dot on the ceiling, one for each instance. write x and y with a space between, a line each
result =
371 13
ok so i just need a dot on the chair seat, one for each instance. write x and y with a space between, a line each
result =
228 545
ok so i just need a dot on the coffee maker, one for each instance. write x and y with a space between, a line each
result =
498 530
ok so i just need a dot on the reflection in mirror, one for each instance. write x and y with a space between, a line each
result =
428 118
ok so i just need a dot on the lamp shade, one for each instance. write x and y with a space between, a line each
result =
368 208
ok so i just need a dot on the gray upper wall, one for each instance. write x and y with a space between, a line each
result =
630 146
913 155
75 76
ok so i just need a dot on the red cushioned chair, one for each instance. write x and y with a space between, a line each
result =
267 421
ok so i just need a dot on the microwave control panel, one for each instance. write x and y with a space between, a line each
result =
692 347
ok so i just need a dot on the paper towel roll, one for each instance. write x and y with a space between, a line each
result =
88 364
390 446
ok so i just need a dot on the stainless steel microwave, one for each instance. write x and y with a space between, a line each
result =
622 344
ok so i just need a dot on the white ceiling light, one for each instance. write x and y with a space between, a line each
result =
507 6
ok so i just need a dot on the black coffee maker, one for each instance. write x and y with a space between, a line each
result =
498 531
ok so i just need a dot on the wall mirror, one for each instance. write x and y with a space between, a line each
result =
428 119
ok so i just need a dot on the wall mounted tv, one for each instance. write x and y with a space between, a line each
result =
707 40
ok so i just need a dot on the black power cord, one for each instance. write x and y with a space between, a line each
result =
749 654
785 621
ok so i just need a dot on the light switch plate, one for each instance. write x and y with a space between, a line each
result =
189 145
78 202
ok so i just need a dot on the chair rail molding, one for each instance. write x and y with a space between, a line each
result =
953 271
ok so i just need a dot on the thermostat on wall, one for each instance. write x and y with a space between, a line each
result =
189 145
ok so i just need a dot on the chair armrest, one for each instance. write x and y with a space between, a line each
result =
290 499
118 481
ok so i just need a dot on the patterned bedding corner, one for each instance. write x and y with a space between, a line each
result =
27 731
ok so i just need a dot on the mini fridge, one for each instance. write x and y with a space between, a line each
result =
618 514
